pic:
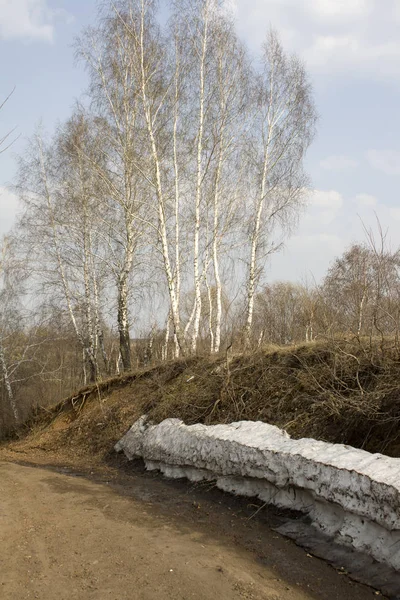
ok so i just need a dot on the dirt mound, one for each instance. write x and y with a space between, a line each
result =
343 392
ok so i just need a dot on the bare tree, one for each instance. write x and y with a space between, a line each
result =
229 122
110 55
7 318
7 140
84 212
184 147
348 289
283 127
57 229
21 335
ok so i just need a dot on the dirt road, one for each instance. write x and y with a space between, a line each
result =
63 537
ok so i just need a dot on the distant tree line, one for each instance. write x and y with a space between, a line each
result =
359 297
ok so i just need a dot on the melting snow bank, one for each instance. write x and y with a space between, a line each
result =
349 495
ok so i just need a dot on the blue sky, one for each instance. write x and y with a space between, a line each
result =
352 51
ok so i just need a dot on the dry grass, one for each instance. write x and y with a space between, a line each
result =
347 391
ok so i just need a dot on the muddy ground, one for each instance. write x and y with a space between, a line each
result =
116 532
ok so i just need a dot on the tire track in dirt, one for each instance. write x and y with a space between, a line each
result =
58 539
73 539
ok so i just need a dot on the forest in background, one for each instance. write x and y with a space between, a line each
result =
148 218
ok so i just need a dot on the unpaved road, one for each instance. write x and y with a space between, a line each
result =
63 537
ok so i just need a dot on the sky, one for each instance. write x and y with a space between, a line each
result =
351 49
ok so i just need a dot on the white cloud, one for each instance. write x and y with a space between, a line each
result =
318 240
395 213
314 253
340 8
28 20
323 217
327 199
316 8
338 162
331 224
354 36
363 200
387 161
345 52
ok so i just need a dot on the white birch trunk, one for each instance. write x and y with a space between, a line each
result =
60 265
196 249
255 237
164 352
215 246
91 335
7 384
159 192
210 315
252 275
98 326
177 198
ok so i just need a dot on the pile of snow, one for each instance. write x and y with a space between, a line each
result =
350 495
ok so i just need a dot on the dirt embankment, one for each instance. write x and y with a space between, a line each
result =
343 392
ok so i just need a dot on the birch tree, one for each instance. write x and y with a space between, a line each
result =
154 93
188 158
232 73
283 128
56 231
21 345
157 82
202 32
110 55
80 198
7 319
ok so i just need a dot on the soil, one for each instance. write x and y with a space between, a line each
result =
344 392
77 523
115 532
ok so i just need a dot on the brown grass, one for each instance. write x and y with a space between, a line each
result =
344 392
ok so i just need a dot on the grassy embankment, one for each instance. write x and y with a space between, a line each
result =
345 392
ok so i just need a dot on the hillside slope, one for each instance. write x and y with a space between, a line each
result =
342 392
